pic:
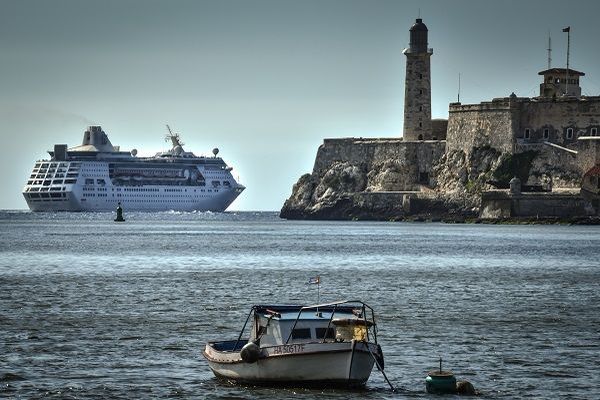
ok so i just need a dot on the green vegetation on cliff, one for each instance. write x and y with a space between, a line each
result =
513 165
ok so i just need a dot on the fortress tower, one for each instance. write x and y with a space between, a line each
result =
417 88
557 82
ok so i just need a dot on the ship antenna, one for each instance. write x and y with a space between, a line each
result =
174 137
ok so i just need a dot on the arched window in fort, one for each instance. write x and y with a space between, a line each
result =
569 133
420 137
527 133
420 108
594 131
546 133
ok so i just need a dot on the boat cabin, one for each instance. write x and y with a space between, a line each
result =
276 325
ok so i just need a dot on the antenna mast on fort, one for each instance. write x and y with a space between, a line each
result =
549 50
458 99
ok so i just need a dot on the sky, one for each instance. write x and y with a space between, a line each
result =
265 81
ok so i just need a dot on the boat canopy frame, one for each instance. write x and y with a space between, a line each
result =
343 305
335 305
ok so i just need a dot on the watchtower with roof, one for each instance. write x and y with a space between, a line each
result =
557 82
417 88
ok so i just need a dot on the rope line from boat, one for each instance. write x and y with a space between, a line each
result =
380 368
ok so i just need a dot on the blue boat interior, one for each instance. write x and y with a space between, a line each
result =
229 345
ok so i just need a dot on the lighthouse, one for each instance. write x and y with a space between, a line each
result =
417 88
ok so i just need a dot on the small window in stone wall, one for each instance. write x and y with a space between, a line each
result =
420 108
420 76
546 133
527 133
594 131
421 91
569 133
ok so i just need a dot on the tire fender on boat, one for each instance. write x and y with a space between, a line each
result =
250 352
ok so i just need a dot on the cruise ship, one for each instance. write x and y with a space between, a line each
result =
97 176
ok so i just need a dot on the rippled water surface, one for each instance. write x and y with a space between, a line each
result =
90 308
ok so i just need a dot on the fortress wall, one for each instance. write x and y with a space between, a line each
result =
357 151
370 153
501 204
557 116
589 153
553 166
478 125
439 127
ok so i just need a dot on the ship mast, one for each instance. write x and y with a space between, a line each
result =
174 137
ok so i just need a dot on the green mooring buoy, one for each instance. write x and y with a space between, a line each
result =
119 214
439 381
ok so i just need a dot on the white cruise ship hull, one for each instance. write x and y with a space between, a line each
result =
162 200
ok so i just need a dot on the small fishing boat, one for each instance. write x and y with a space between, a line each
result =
318 345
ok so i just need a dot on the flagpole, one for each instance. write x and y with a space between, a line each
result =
318 293
568 29
317 280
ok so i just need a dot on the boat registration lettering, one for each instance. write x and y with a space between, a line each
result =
288 349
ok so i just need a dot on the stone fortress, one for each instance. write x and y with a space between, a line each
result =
512 157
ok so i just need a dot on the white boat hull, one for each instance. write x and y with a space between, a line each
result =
337 363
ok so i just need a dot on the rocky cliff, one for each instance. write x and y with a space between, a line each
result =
392 180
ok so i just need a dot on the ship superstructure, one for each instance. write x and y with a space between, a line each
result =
96 176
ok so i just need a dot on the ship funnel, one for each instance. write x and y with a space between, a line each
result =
95 136
60 152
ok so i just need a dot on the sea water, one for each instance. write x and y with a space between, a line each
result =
90 308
